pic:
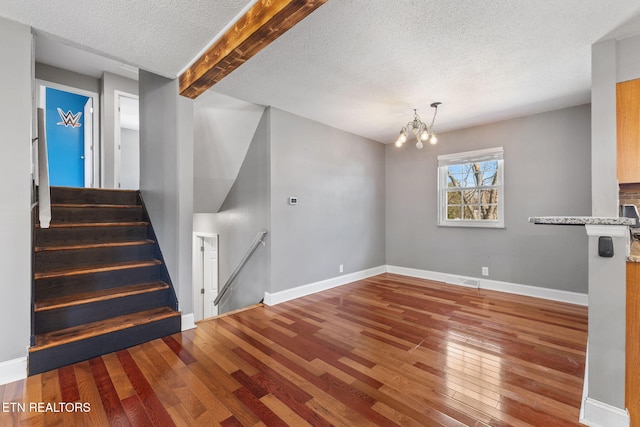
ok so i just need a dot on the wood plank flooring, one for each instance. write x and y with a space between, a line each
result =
389 350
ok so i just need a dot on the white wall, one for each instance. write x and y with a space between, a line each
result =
16 74
166 175
205 223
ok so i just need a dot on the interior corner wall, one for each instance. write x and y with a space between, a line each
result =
109 84
166 176
245 212
339 180
223 129
16 77
546 172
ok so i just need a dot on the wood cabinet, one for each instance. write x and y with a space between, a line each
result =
632 384
628 131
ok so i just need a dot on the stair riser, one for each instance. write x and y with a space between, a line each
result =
63 286
52 320
84 215
46 261
93 196
56 357
89 235
53 328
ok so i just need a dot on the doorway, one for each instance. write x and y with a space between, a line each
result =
205 275
127 141
71 129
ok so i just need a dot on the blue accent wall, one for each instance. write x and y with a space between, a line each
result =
65 137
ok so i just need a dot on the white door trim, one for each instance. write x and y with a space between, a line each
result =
198 278
40 98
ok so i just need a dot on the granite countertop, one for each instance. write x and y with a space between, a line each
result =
634 253
581 220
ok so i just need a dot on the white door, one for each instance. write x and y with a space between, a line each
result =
88 143
127 136
210 275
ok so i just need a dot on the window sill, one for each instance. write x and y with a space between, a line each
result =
471 224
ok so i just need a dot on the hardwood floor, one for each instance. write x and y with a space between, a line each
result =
389 350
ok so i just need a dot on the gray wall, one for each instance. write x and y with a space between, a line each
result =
53 74
604 179
166 176
223 129
245 212
16 75
339 179
109 84
612 61
607 323
547 162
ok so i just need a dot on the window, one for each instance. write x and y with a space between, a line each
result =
470 189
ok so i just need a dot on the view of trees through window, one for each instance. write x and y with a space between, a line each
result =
472 191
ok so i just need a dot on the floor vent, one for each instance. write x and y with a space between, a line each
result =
463 281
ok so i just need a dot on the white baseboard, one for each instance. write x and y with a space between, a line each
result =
312 288
188 322
599 414
594 413
13 370
452 279
494 285
585 384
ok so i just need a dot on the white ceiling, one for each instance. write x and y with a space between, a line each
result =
160 36
362 66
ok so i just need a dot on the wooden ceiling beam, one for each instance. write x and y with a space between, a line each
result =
264 22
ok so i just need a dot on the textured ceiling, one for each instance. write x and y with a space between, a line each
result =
362 66
59 55
161 36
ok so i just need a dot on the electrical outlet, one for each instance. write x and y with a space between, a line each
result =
485 271
341 268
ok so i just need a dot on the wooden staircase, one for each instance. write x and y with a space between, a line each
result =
100 283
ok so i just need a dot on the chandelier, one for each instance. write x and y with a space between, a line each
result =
421 130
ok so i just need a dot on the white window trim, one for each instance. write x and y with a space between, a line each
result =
469 157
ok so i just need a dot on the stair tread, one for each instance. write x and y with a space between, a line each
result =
95 224
95 245
99 295
89 330
96 269
99 190
94 205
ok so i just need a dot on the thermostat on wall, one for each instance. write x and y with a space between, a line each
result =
293 200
